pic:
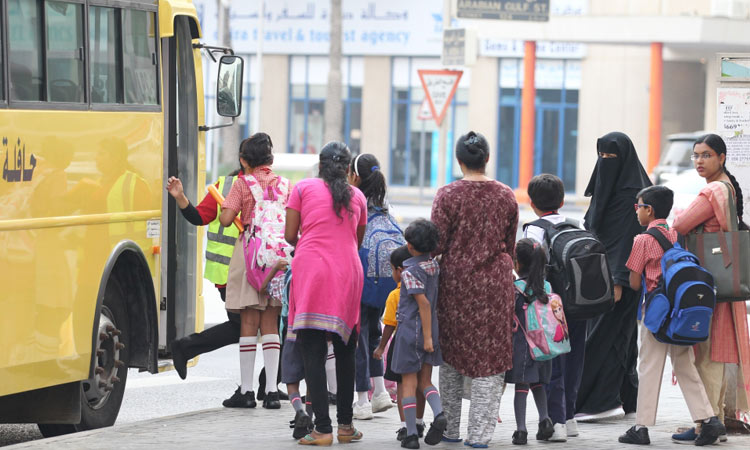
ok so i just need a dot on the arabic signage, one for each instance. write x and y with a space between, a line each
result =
439 88
15 167
459 47
385 27
532 10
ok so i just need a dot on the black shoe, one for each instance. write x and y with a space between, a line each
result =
178 359
302 425
283 395
401 434
239 400
331 398
633 436
722 432
709 432
420 429
546 430
271 400
410 441
520 437
435 434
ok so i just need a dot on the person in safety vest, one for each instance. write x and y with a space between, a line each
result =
219 246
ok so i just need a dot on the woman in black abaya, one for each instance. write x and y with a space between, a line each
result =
610 380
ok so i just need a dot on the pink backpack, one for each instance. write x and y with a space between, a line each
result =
263 242
546 330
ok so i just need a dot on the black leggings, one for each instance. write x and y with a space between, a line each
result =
314 347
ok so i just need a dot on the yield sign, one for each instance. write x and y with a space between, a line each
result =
439 87
425 113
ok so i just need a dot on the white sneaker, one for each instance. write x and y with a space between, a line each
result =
560 434
362 411
381 402
572 427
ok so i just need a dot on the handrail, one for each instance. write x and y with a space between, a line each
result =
88 219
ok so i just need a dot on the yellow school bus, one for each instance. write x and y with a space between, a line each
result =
100 101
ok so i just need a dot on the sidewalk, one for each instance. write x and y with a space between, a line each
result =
267 429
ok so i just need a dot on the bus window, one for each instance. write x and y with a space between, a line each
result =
139 57
105 56
64 51
25 50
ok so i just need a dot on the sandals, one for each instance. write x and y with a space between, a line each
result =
325 440
347 438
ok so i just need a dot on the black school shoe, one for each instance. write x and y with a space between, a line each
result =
401 433
546 430
435 433
420 429
633 436
709 432
271 400
179 361
410 441
302 425
240 400
520 437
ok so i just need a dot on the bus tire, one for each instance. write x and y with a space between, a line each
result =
101 395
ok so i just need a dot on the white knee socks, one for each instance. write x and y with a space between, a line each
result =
248 346
271 353
378 384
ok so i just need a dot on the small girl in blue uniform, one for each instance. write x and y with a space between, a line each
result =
416 348
527 373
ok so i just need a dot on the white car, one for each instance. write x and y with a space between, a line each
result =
686 187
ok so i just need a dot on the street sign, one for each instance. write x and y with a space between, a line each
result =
425 113
459 47
533 10
439 88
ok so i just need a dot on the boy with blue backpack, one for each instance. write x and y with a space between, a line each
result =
676 314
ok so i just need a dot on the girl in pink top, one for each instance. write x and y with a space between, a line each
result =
327 284
257 309
728 341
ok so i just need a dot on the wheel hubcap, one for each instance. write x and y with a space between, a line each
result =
108 363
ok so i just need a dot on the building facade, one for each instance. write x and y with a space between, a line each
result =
583 90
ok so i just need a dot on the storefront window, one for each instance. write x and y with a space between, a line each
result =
308 80
557 84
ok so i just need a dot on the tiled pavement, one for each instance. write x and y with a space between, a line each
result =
266 429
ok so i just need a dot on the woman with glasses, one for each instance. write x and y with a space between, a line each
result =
609 383
728 341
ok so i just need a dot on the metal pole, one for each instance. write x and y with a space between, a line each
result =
422 139
258 68
442 154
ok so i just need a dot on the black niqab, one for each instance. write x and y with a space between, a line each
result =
613 188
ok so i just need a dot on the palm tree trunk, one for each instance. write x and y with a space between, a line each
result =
334 111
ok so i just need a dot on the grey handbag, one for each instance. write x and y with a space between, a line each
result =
726 254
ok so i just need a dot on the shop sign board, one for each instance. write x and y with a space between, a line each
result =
439 88
531 10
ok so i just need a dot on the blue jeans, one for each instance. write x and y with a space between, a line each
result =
366 366
562 390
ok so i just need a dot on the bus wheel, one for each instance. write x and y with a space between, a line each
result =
101 395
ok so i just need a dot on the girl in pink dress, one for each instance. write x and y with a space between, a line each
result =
327 284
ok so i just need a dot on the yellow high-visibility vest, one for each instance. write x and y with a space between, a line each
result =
220 241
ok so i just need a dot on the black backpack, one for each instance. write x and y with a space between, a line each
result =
578 269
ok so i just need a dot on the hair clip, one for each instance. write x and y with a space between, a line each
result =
535 245
374 168
356 160
472 140
336 158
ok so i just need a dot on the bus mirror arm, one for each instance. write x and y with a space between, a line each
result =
214 49
207 128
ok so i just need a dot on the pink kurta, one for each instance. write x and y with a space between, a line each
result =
729 330
327 274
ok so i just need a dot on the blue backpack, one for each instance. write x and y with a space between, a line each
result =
679 310
382 236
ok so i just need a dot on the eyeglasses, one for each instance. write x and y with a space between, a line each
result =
638 205
703 156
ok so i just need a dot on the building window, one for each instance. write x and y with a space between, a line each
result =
308 78
556 127
412 137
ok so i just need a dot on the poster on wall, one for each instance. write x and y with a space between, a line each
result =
733 124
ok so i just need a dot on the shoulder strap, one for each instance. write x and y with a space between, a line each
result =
660 238
732 199
254 187
546 225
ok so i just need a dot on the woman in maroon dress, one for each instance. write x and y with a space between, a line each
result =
477 218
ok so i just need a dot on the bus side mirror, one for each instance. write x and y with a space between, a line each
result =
229 86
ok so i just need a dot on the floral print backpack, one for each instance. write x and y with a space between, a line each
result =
263 243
